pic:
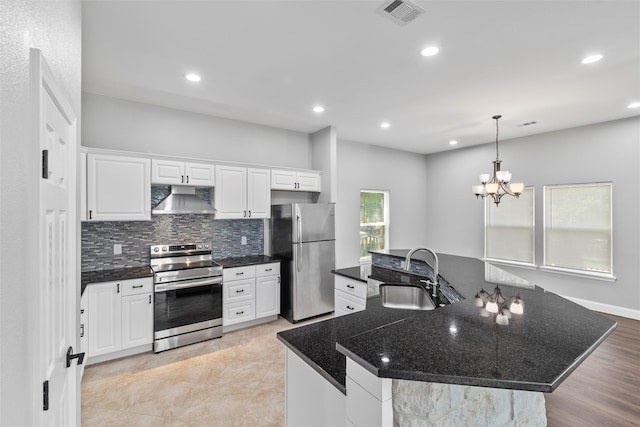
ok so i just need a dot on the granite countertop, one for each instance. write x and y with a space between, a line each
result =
455 344
101 276
243 261
355 273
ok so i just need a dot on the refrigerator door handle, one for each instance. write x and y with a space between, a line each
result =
299 243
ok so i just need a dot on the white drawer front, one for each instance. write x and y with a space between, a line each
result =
239 312
352 287
239 290
238 273
271 269
137 286
346 303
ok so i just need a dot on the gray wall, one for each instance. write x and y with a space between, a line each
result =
368 167
598 153
55 29
131 126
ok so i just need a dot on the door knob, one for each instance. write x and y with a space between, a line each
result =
71 356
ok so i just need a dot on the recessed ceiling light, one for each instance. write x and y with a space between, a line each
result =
591 59
384 125
634 105
453 142
429 51
192 77
318 109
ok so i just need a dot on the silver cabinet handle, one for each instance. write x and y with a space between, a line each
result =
240 274
149 298
239 312
351 287
350 308
239 291
137 286
182 179
249 214
268 269
187 179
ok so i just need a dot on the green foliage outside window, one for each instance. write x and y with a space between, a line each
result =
372 222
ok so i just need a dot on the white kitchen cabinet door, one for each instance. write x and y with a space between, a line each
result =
137 320
118 188
230 195
309 182
168 172
200 174
295 181
259 193
267 296
174 172
104 318
283 180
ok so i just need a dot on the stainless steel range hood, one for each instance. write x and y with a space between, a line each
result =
183 200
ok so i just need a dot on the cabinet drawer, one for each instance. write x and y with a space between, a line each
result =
137 286
239 290
346 303
352 287
238 273
239 312
271 269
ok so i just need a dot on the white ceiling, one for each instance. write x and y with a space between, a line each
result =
269 62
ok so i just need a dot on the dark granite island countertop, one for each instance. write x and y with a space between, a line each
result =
455 344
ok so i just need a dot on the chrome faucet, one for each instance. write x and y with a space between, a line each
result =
407 265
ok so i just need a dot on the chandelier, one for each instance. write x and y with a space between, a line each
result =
501 306
498 185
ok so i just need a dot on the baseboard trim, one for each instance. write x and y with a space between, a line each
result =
607 308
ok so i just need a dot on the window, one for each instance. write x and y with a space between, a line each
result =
577 228
374 221
509 229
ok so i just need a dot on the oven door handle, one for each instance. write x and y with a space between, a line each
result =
164 287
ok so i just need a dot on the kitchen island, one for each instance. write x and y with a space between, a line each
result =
451 365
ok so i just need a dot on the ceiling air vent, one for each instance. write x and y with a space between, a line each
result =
400 11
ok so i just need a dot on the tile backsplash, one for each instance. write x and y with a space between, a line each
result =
98 237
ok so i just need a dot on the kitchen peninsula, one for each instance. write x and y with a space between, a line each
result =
447 366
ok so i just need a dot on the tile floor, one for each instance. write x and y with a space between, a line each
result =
236 380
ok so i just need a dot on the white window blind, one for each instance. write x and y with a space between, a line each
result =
578 227
509 228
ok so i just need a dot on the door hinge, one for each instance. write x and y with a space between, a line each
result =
45 395
45 164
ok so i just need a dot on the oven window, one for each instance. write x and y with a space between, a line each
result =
187 306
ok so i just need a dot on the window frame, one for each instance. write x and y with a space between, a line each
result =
579 272
367 258
523 264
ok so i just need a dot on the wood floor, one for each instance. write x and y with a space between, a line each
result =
604 390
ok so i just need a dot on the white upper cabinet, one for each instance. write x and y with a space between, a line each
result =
242 192
118 188
172 172
295 181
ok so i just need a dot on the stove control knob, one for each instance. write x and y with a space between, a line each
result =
165 249
199 246
156 249
206 246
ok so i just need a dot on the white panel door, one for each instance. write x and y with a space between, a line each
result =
137 320
230 194
104 310
167 172
56 313
267 296
283 180
259 193
200 174
118 188
309 182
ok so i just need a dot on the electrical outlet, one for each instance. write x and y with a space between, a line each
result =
243 240
117 249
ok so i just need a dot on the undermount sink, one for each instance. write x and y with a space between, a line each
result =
405 296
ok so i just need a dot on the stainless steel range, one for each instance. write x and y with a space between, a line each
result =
188 295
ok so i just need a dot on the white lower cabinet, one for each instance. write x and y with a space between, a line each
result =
119 316
250 293
350 295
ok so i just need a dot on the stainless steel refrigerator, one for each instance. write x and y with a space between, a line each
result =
303 238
